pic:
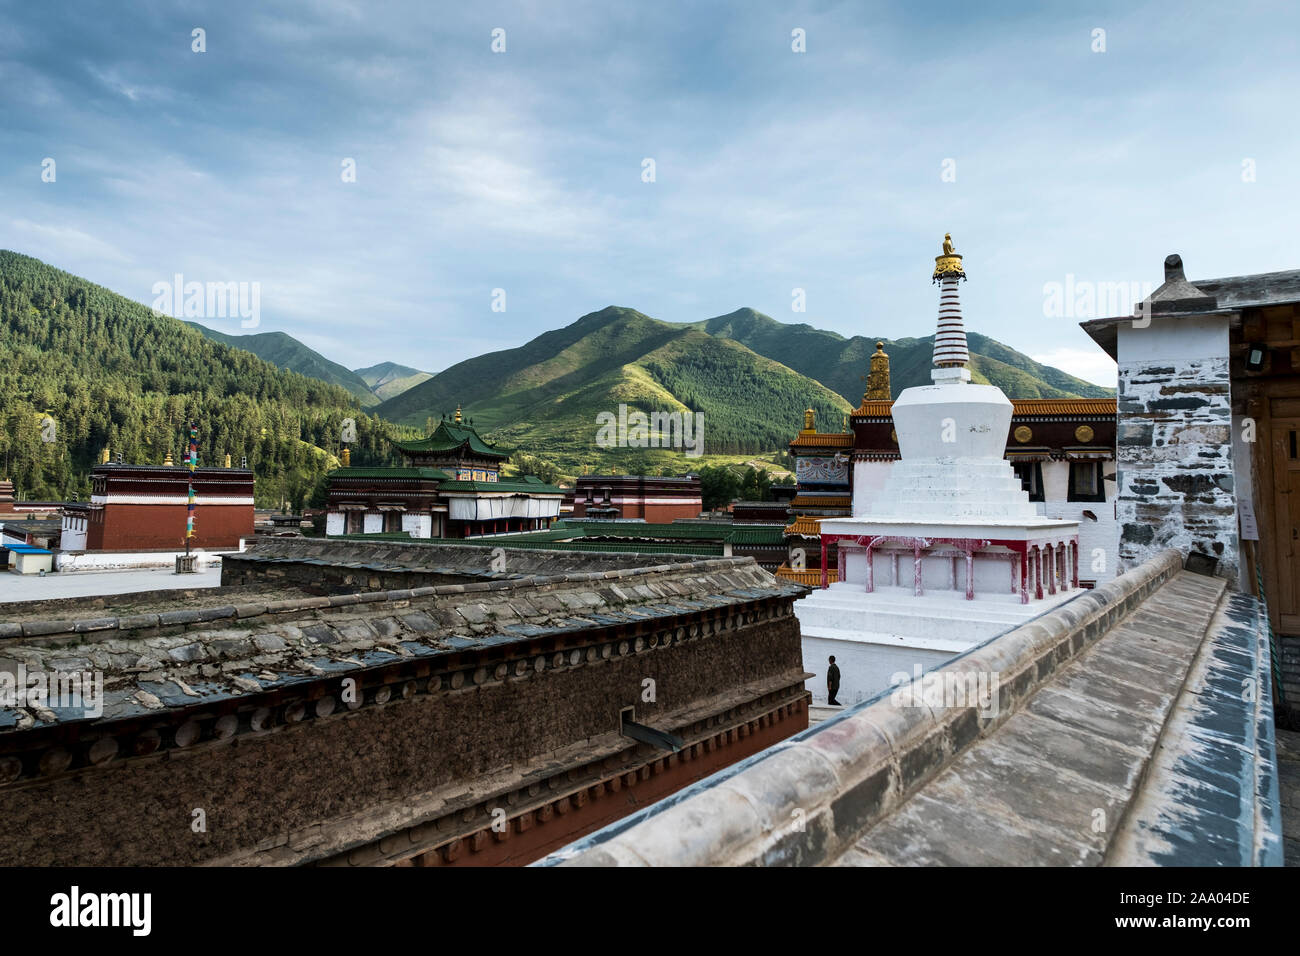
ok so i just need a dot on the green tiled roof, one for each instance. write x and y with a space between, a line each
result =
535 541
513 487
428 474
676 531
449 436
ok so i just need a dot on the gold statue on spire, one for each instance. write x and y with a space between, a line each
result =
878 377
950 262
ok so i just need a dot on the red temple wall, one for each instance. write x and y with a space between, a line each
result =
125 527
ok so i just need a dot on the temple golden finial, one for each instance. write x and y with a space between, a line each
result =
103 459
227 461
949 263
878 377
458 416
345 459
167 462
809 420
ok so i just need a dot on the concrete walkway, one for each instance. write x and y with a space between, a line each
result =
68 584
1052 785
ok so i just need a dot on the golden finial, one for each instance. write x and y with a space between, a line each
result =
458 417
950 262
345 459
808 420
167 462
227 461
103 459
878 376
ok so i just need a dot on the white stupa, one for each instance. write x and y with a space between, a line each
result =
951 550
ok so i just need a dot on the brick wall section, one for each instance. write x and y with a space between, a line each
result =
1174 453
295 778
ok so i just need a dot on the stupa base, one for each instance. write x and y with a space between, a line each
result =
1028 557
878 635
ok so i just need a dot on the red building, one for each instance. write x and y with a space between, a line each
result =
657 500
143 508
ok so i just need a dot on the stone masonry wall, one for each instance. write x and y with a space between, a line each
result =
1174 452
138 811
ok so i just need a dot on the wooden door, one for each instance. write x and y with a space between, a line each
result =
1281 531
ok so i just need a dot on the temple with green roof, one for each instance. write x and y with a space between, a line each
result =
450 486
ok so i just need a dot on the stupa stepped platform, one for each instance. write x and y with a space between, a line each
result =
890 613
944 488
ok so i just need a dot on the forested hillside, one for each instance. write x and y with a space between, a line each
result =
546 396
841 364
108 372
284 351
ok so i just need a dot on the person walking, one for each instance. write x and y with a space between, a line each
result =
832 683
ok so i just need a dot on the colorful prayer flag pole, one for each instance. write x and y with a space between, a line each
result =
190 502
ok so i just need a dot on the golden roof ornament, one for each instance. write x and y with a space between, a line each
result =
167 462
878 376
458 416
345 459
948 264
808 418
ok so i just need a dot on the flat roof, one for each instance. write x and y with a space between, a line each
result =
1231 295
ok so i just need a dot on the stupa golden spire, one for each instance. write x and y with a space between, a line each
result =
878 376
950 339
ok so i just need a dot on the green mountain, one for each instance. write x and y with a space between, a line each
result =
286 352
841 364
546 396
85 369
387 379
750 375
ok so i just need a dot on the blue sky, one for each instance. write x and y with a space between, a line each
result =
522 170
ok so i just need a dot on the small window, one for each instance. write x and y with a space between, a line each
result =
1030 474
1086 481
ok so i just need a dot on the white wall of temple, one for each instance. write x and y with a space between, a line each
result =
865 669
73 536
490 507
418 526
334 522
121 560
1243 468
374 524
1173 339
868 478
1099 536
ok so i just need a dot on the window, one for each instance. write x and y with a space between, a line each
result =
392 522
1086 482
1030 474
355 522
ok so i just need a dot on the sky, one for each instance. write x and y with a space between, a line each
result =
502 193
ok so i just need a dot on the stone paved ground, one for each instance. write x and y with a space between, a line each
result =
1288 766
